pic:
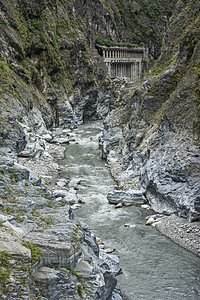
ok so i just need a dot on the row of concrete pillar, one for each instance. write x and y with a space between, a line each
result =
108 53
129 70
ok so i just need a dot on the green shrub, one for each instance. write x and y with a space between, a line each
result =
4 259
36 252
107 42
19 219
197 69
4 269
8 210
4 66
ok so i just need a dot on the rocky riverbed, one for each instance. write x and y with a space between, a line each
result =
46 251
116 216
50 252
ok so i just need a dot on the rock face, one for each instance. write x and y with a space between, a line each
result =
49 61
151 138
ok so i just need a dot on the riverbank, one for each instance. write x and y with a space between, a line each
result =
181 232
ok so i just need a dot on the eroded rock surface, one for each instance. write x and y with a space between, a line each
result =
151 138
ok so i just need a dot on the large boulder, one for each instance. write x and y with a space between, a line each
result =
130 197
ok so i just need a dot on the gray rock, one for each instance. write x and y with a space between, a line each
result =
46 275
70 198
158 157
130 225
19 171
59 199
119 205
150 221
34 178
109 250
83 268
56 251
60 193
32 149
112 261
74 183
16 250
130 197
60 140
47 137
62 182
3 218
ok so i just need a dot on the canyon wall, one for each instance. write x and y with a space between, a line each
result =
151 138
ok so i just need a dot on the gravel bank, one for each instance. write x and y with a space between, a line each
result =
182 232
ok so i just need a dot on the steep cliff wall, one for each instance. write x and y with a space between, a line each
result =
46 59
49 60
152 136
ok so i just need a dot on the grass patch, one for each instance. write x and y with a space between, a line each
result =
5 269
49 221
19 219
197 69
75 239
8 210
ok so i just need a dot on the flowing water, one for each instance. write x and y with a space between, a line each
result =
153 266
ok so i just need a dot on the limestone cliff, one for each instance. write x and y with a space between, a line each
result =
151 138
49 60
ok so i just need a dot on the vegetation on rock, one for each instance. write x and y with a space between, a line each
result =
36 252
107 42
5 270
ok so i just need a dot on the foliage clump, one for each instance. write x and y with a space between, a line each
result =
36 252
107 42
197 69
5 269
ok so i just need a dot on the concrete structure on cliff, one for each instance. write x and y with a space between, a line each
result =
123 61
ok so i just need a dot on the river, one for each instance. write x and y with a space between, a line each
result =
153 266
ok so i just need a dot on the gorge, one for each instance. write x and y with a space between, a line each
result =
52 81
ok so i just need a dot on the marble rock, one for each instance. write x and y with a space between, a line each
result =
33 149
62 140
130 197
62 182
150 221
60 193
17 250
